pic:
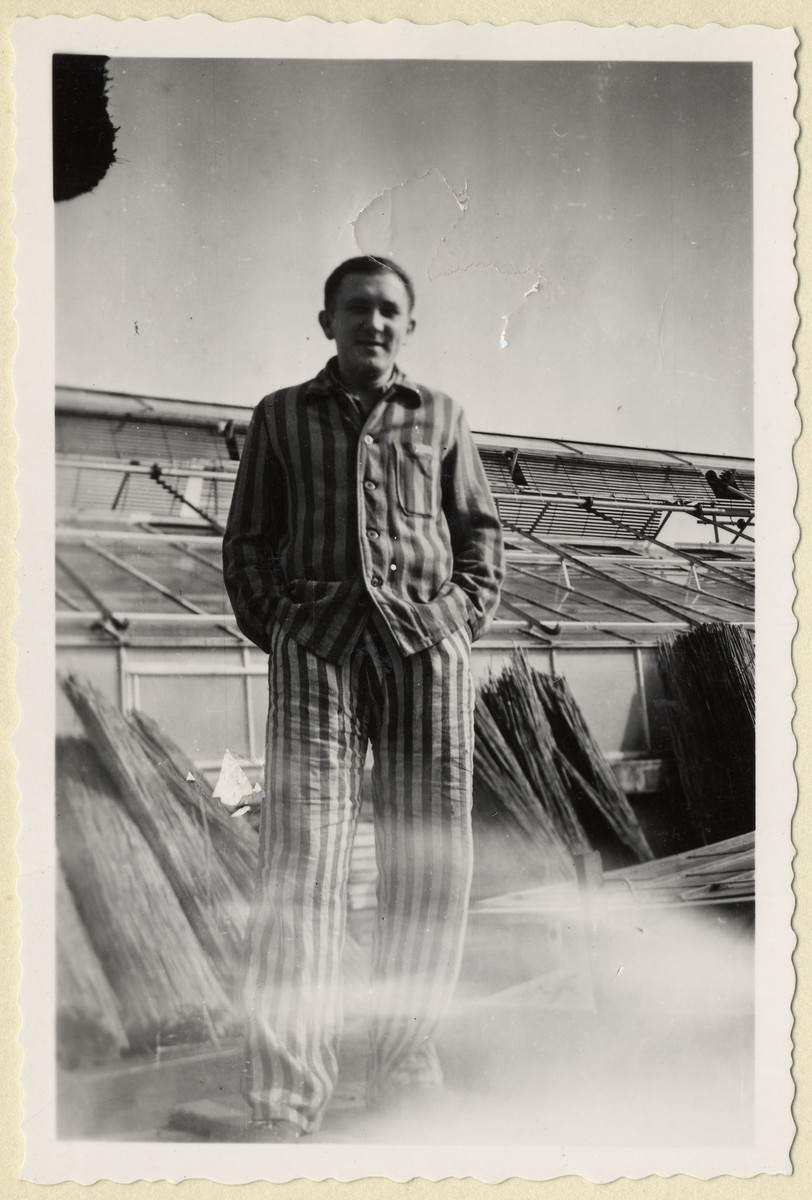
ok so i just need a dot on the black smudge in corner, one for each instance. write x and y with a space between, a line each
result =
83 135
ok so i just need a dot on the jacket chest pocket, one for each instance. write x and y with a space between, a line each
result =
418 479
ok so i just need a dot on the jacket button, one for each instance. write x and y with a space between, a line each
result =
376 581
369 439
373 534
369 485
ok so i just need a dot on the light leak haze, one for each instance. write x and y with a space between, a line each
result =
580 235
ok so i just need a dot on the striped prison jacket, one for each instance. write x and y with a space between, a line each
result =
336 515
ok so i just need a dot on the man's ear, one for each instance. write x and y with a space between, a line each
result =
326 322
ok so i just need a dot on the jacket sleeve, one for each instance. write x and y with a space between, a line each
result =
256 517
476 532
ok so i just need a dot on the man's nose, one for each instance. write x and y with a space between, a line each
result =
377 320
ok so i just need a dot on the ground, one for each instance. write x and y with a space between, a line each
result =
646 1039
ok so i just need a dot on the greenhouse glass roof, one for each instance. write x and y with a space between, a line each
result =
144 487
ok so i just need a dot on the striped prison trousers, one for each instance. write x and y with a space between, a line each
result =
417 713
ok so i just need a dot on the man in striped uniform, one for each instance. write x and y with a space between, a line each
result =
364 554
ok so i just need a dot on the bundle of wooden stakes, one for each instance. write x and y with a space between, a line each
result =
536 763
166 989
208 895
159 882
709 682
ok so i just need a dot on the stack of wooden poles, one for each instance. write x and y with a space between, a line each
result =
145 945
538 770
710 708
155 886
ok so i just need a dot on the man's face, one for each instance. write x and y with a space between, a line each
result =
370 321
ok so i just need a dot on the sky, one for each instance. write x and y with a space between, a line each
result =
580 235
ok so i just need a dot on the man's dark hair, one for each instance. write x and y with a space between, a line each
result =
365 264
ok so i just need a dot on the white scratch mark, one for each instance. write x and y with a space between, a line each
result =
533 290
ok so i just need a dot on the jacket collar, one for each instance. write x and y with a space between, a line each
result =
328 382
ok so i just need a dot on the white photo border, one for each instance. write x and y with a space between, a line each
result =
772 53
